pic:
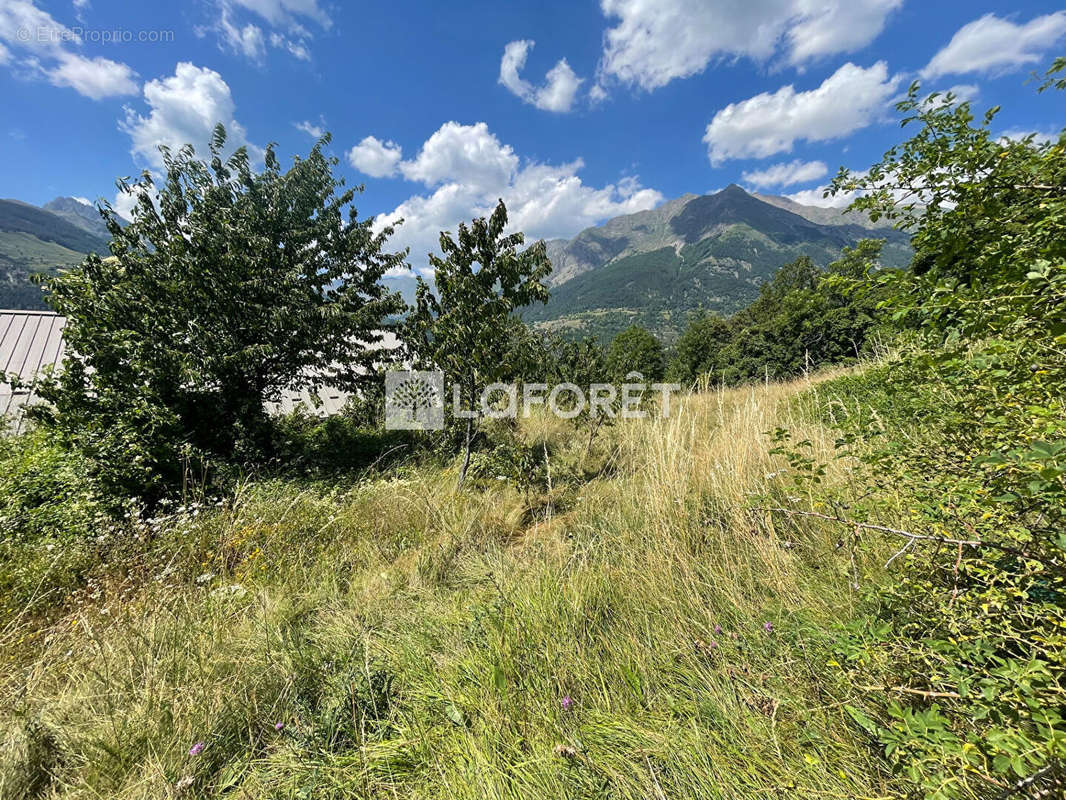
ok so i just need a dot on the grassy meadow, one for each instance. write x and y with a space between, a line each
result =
638 630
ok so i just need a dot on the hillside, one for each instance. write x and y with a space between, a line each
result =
79 214
697 252
34 240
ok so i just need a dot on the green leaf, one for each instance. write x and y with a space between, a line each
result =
455 715
862 720
499 678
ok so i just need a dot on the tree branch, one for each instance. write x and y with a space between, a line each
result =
908 690
885 529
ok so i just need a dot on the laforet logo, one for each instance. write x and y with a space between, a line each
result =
414 400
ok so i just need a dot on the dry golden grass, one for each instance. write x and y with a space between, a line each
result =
415 642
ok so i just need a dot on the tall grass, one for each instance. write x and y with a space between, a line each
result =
644 634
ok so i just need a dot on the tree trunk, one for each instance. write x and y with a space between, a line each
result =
466 453
593 430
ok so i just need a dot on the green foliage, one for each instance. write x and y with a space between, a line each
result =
973 626
228 288
467 327
48 516
345 444
635 350
803 319
581 362
697 350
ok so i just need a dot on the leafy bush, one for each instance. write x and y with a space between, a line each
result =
969 636
309 445
804 319
635 350
48 517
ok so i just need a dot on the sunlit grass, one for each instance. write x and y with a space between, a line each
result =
396 639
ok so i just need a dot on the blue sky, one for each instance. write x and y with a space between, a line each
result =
618 105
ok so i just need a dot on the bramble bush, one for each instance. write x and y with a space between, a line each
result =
967 638
47 517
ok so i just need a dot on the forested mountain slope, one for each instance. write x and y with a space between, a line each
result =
35 240
697 252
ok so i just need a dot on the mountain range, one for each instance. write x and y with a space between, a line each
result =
653 268
42 240
709 252
81 214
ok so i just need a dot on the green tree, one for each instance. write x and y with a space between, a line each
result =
581 362
635 350
698 350
465 326
228 287
804 319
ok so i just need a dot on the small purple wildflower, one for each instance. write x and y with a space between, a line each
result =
768 626
196 749
279 725
718 629
713 644
567 703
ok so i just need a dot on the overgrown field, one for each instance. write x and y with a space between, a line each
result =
639 629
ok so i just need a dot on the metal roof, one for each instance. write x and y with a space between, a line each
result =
29 342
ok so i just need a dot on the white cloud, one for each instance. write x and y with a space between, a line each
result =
995 45
125 202
770 123
48 52
287 13
95 78
469 154
284 19
787 174
296 48
183 109
247 40
1021 134
26 27
964 92
468 169
311 129
84 201
375 158
561 83
655 41
814 197
828 27
552 202
890 181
